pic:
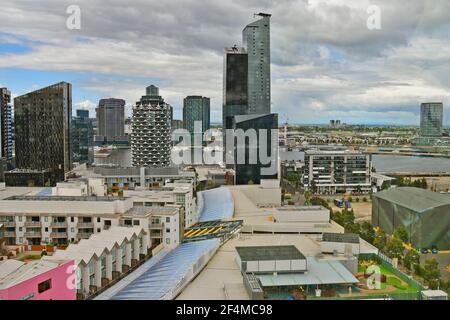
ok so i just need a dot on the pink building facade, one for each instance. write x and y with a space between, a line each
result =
55 284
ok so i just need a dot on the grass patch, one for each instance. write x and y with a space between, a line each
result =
30 257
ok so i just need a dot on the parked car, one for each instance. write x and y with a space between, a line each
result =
424 251
434 250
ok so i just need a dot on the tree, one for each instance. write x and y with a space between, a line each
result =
380 240
394 248
402 234
411 259
367 232
431 273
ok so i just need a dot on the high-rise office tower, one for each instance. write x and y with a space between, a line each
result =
43 121
196 108
110 121
82 136
431 119
253 172
151 131
256 38
6 141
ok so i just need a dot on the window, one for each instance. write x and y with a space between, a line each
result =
167 230
168 241
136 222
98 219
46 219
20 218
72 230
98 230
46 229
168 220
44 286
72 219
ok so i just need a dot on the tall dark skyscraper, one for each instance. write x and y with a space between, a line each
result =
110 121
235 82
43 121
247 96
151 141
6 140
82 136
196 108
256 39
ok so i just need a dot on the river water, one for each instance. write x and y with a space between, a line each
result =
382 163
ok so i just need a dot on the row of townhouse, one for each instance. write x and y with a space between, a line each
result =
104 258
37 220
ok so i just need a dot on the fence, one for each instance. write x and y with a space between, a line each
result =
387 263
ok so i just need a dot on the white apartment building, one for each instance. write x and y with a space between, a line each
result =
36 220
104 257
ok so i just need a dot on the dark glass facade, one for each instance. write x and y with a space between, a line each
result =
431 119
82 137
111 121
6 134
248 172
196 108
43 121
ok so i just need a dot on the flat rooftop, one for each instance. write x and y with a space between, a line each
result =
58 198
340 237
265 253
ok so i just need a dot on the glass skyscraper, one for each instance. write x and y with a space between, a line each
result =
82 136
43 121
431 119
196 108
256 39
6 140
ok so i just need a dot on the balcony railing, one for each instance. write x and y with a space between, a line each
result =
8 224
9 234
58 235
84 235
156 226
61 224
32 224
33 235
85 225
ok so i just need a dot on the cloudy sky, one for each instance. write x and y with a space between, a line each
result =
326 63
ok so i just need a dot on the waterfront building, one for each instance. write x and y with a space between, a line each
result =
111 122
43 124
82 137
431 119
151 140
423 213
331 172
196 109
6 134
256 39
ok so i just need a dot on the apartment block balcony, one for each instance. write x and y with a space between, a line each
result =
8 224
156 235
9 234
84 235
32 224
62 224
85 225
155 226
33 234
58 235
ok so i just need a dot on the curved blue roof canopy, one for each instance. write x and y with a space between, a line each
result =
216 204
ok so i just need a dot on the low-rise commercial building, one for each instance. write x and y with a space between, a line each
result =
340 243
423 213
